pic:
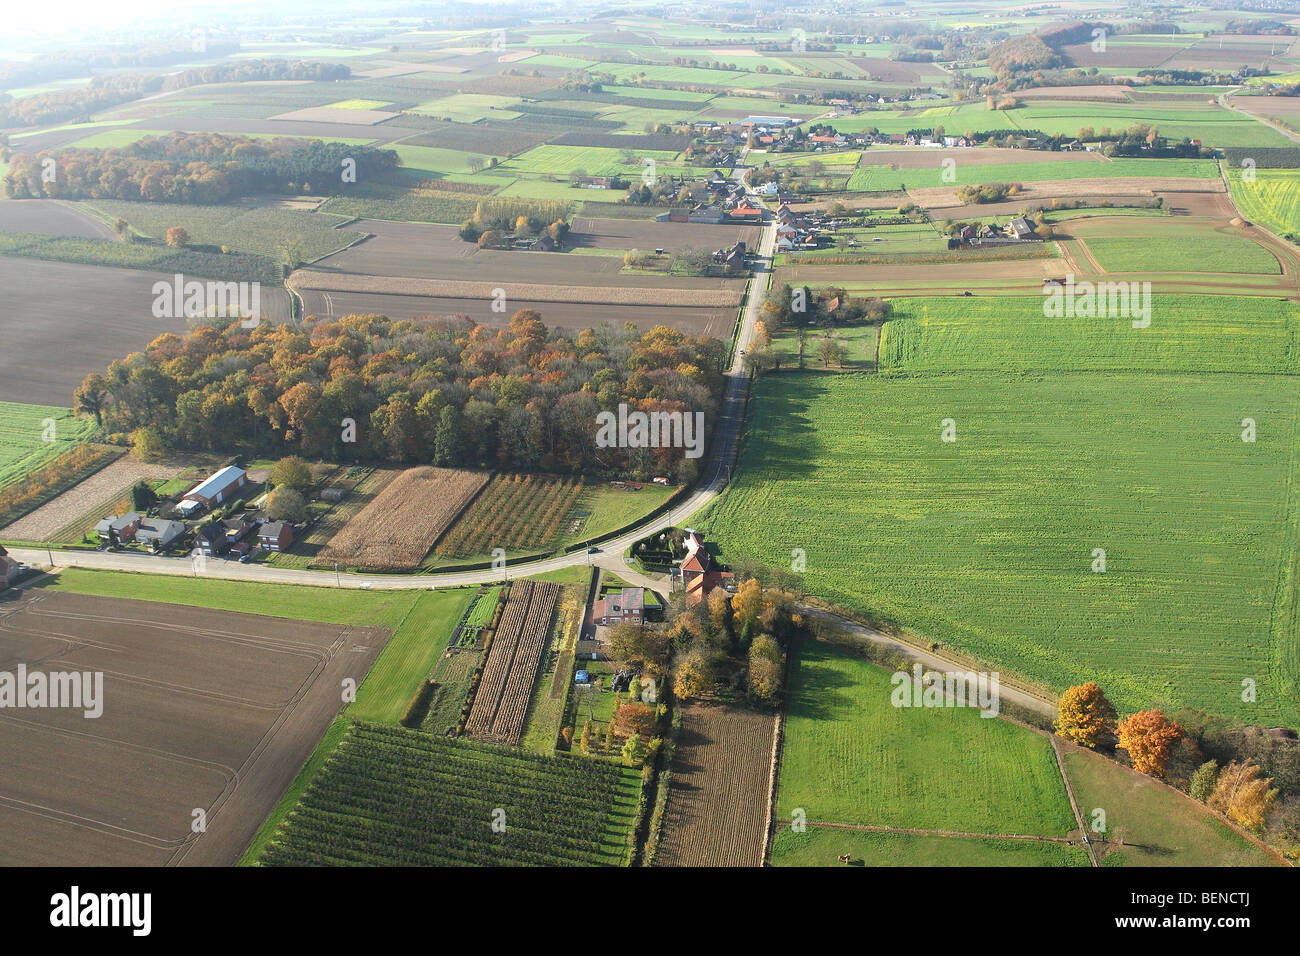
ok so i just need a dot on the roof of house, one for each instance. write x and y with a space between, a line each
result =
216 482
627 599
272 529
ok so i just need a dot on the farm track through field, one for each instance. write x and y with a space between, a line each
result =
912 831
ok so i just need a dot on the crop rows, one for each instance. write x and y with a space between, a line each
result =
396 530
501 702
516 511
390 796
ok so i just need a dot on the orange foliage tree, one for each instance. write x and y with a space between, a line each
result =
1085 716
1149 737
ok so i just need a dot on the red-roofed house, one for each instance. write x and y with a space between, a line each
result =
700 574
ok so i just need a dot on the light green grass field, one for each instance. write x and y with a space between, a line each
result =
1164 827
357 104
850 756
988 544
23 433
596 160
1203 252
1010 333
822 846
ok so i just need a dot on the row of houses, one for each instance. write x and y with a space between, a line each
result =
1017 230
232 536
794 230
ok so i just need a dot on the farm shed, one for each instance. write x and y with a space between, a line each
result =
215 489
8 569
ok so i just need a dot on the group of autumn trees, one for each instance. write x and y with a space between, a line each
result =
196 168
730 645
1238 778
446 392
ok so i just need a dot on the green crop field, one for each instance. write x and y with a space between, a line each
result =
988 543
261 230
852 757
484 608
24 430
1272 200
391 796
596 160
1160 826
1190 333
870 178
1202 252
823 846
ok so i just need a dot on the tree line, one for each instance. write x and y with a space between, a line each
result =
203 168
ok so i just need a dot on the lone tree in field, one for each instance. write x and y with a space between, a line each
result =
1149 737
285 504
291 472
1243 795
177 237
1085 716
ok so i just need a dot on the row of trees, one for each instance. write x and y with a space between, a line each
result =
195 168
1161 747
448 392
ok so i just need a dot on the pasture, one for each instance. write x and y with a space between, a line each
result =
823 846
988 543
1149 824
967 170
852 757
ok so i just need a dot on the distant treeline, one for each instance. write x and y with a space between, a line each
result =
1273 157
67 64
196 168
78 104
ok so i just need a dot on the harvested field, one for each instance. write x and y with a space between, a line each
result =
334 520
516 512
47 520
46 217
648 234
396 529
718 797
506 686
204 709
485 291
331 114
64 320
1104 94
717 322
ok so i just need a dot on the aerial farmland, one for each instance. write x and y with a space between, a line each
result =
650 438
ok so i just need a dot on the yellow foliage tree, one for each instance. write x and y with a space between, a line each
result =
1243 794
1149 737
1085 716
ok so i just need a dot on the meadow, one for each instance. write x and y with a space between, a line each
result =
23 433
850 756
1191 333
1148 824
1202 252
987 544
822 846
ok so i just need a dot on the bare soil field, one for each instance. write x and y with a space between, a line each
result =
326 114
954 273
718 322
538 292
718 798
64 320
1230 53
202 709
430 251
1119 55
46 217
648 234
926 157
399 526
43 523
1267 105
